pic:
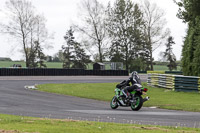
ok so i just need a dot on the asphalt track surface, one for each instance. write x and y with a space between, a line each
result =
17 100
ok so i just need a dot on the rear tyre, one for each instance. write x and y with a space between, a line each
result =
113 103
138 104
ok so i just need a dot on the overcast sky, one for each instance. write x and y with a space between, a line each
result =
60 14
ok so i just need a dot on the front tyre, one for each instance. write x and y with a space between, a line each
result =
113 103
137 104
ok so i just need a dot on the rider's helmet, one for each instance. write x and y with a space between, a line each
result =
134 73
135 77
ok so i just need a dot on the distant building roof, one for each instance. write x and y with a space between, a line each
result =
98 66
100 63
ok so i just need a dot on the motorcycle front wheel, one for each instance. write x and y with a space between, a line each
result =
113 103
135 106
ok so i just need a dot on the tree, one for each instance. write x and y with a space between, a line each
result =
26 27
33 57
36 56
41 57
49 58
93 28
188 9
73 55
58 57
169 55
154 28
115 53
190 14
124 25
68 49
81 59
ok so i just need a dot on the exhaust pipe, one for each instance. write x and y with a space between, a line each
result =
146 99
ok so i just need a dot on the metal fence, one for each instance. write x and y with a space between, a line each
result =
175 82
59 72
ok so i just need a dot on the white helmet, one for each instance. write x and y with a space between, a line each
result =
136 77
134 73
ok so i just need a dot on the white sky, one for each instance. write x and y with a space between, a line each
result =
60 14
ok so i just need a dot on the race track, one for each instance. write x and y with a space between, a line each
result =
15 99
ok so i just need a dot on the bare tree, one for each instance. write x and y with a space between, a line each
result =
154 28
93 27
26 27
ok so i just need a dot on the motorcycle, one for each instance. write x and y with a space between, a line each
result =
134 100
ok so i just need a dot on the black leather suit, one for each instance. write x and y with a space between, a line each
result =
127 88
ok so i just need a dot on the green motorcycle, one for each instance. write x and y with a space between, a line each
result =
135 99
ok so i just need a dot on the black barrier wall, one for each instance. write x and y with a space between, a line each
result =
59 72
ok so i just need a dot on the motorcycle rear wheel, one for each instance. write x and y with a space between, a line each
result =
139 102
113 103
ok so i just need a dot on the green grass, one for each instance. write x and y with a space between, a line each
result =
7 64
159 97
54 64
20 124
98 91
164 68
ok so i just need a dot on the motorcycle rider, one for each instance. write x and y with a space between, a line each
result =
134 80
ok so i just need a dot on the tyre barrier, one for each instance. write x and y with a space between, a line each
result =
174 82
166 72
59 72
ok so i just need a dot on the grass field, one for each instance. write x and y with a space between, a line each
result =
20 124
164 68
159 97
6 64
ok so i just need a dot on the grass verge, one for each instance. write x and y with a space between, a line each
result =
159 97
19 124
7 64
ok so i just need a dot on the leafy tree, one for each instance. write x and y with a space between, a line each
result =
145 59
68 49
80 59
115 53
124 24
58 57
188 9
190 14
37 57
169 55
73 55
32 58
49 58
41 57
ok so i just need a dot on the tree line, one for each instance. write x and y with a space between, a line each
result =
189 12
122 31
